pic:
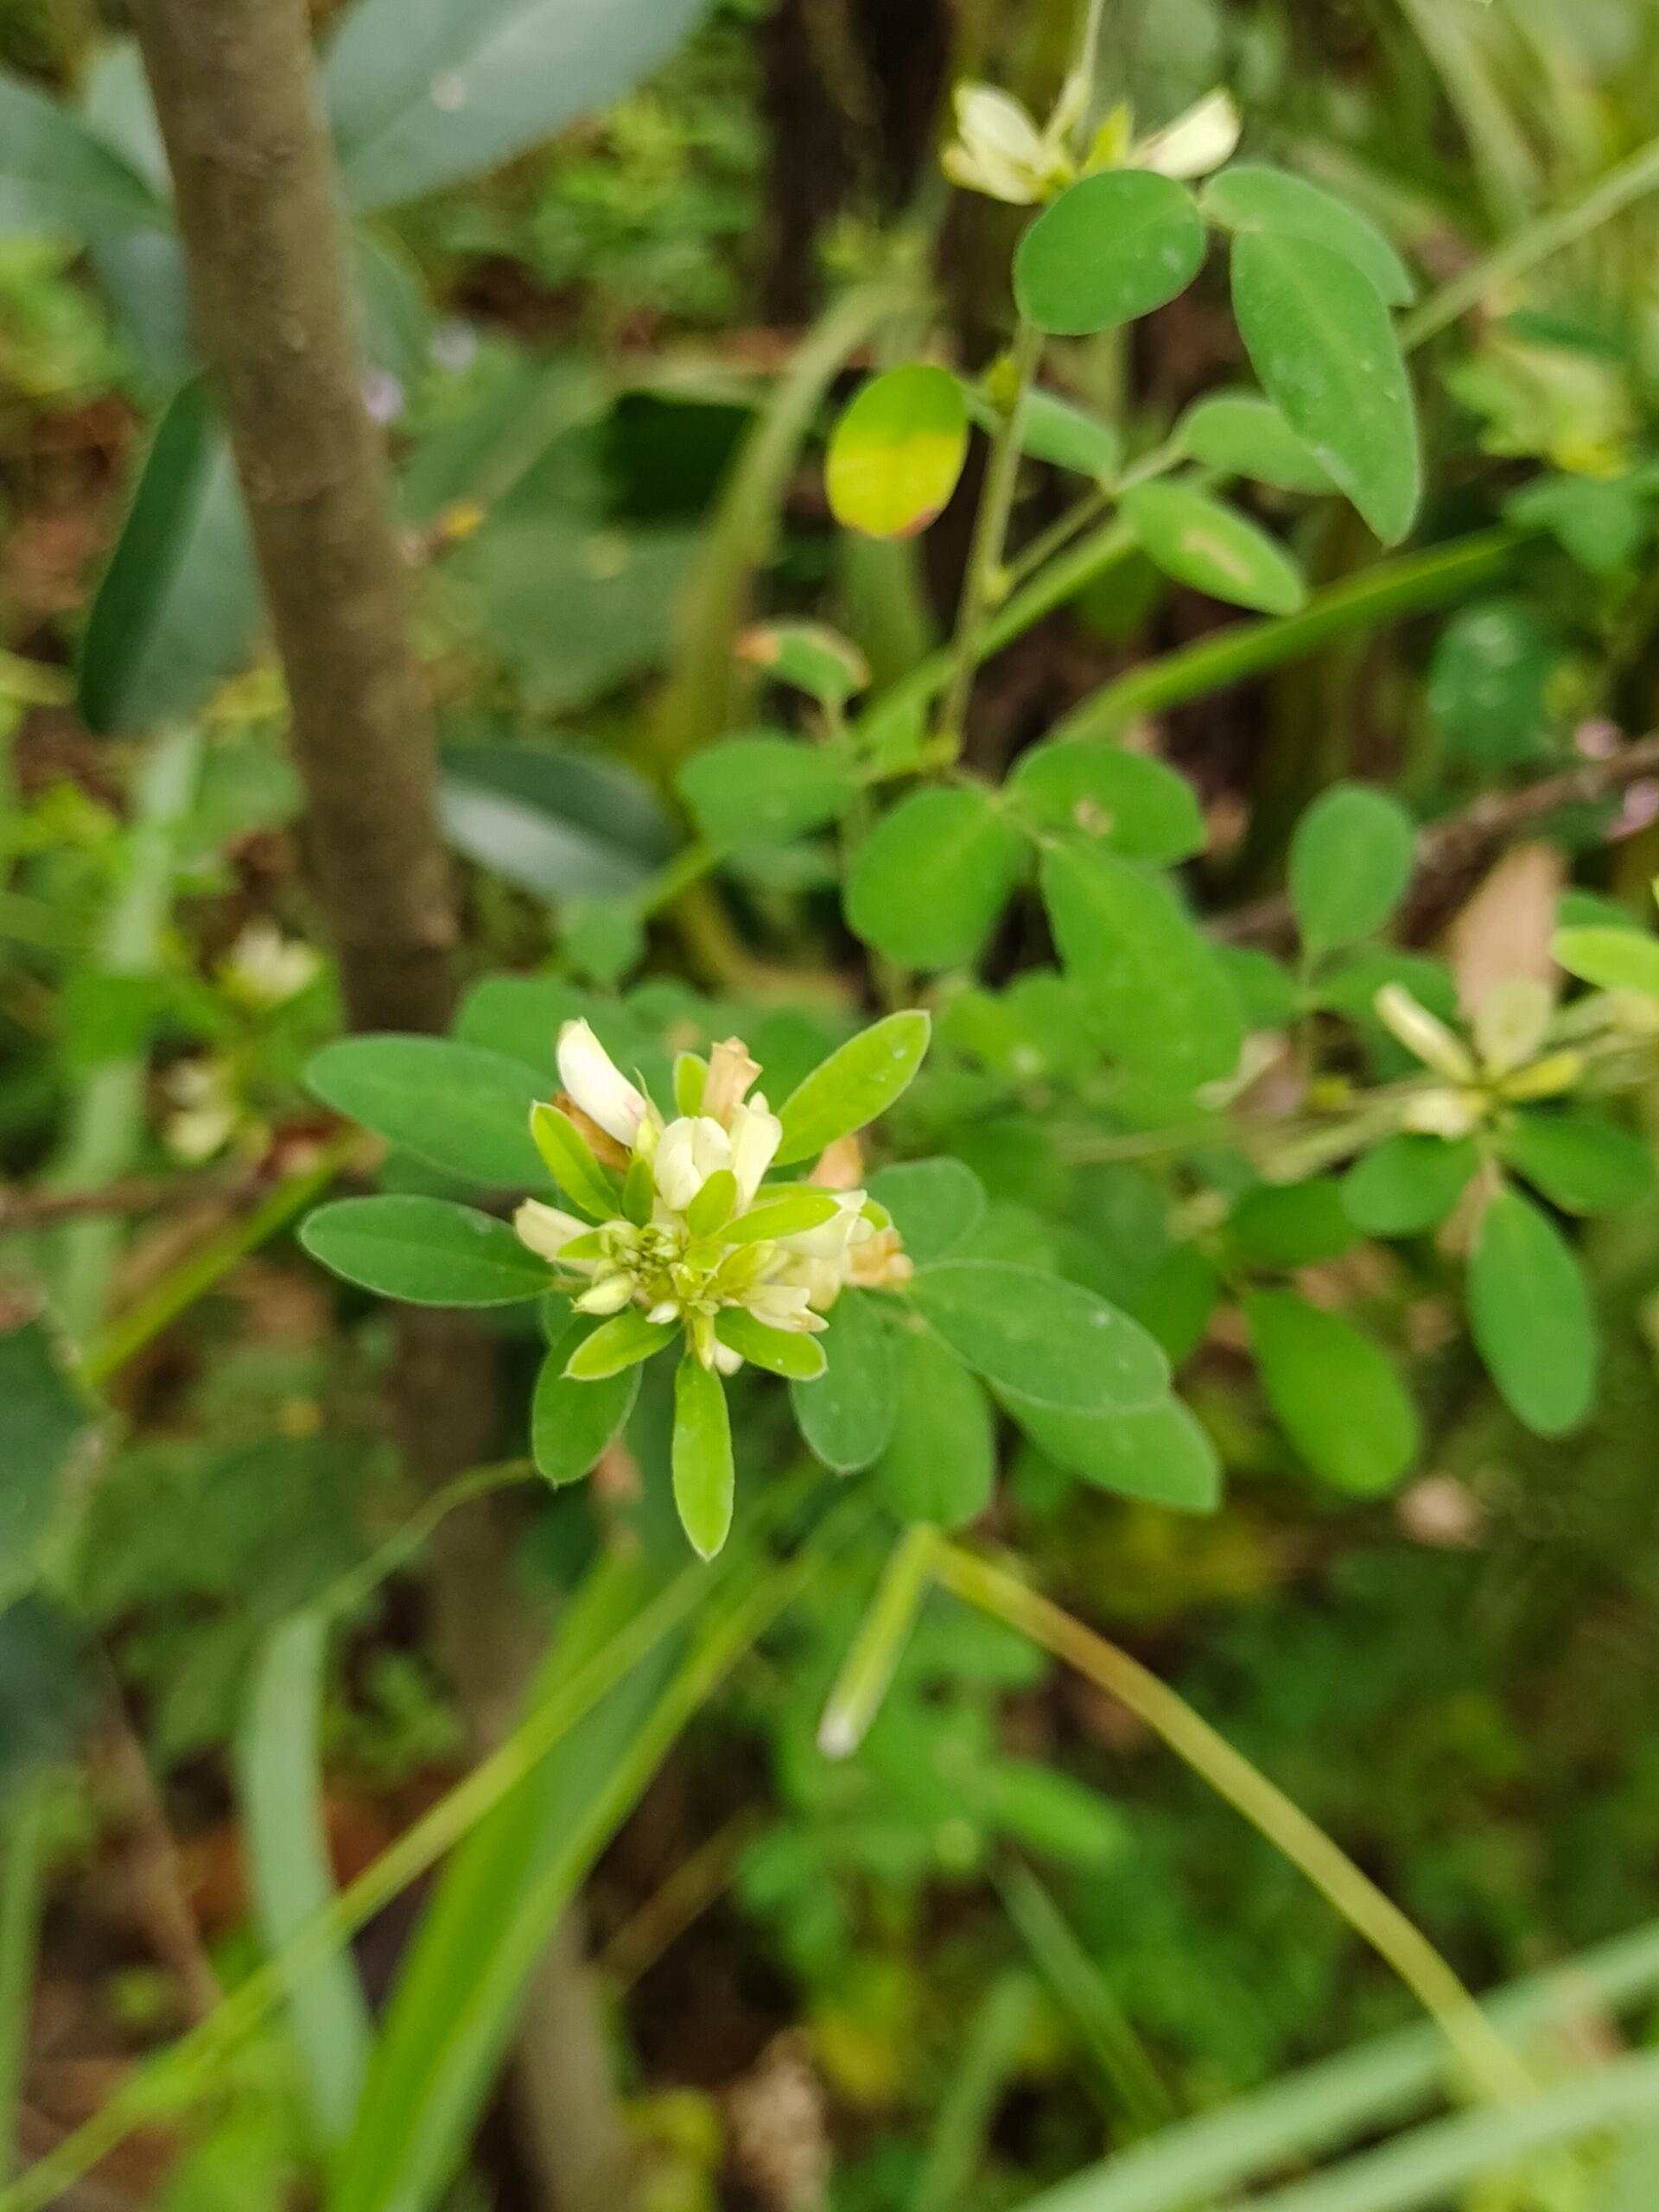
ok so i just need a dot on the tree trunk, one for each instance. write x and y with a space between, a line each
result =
235 94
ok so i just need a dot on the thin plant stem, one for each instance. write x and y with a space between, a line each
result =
22 1880
985 578
1490 2061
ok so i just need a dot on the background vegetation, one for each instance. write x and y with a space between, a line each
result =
391 1820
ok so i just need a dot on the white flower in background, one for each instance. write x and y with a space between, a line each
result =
206 1109
1506 1066
265 969
998 151
688 1242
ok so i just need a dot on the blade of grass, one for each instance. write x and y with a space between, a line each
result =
989 2053
1423 2170
1389 2079
1383 593
279 1772
1492 2065
21 1877
439 2051
1105 2028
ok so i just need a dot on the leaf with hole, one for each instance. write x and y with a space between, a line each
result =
1110 250
897 451
1126 801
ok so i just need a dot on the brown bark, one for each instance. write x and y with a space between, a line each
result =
235 94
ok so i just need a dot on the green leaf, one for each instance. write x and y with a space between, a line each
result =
556 820
424 1251
1058 432
764 789
809 657
1334 1392
847 1416
1290 1226
1110 250
927 885
1049 1810
420 99
1155 993
1320 340
897 451
1350 862
940 1462
1200 541
704 1477
934 1204
1490 680
45 1423
1578 1161
618 1344
1161 1454
571 1163
177 612
1125 801
1250 196
1243 433
60 178
790 1352
1049 1340
858 1082
1409 1184
1531 1316
1613 959
571 1421
789 1215
283 1823
457 1107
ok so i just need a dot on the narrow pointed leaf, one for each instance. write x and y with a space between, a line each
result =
704 1477
790 1352
857 1082
424 1251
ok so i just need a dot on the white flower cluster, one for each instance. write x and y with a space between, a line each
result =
697 1231
998 150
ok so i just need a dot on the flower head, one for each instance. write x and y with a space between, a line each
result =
684 1232
1505 1066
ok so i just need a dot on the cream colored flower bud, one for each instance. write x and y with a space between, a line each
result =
609 1295
692 1149
597 1085
545 1229
731 1073
1424 1035
756 1135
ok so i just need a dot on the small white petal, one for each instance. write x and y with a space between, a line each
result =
1511 1021
1195 142
545 1229
1424 1035
667 1310
692 1149
727 1362
593 1080
756 1135
1449 1114
609 1296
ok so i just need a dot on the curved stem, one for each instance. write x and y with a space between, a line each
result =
1491 2064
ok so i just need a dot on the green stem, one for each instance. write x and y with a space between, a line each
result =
1535 242
106 1118
1377 595
984 579
879 1644
1488 2060
20 1913
163 1303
